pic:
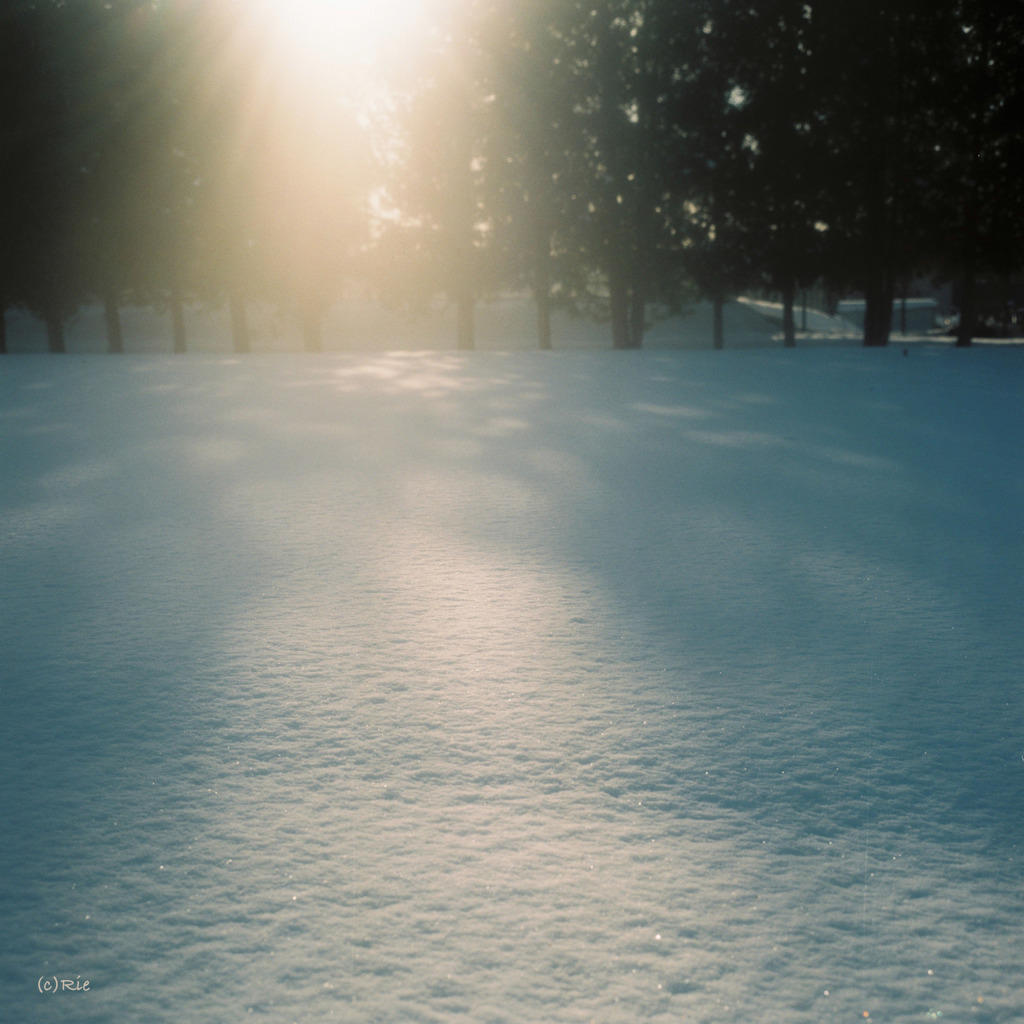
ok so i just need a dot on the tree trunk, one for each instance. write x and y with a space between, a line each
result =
544 321
239 322
637 315
177 321
788 322
718 320
618 299
878 296
968 310
112 316
465 256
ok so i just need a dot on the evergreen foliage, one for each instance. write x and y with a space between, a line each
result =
610 156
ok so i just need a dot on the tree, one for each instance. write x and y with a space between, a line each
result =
529 153
879 69
42 170
978 198
442 109
314 197
709 150
107 72
280 205
777 101
619 175
21 102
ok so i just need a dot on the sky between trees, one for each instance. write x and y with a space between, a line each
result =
617 157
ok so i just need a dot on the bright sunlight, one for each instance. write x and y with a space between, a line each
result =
342 33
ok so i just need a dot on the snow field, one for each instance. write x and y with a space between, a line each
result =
526 687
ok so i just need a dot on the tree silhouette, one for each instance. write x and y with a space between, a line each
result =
606 155
978 197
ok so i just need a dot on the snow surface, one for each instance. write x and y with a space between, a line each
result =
649 686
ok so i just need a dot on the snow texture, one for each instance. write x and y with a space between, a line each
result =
651 686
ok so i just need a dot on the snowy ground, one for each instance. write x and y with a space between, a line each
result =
652 686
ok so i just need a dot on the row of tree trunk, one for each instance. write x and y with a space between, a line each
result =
628 321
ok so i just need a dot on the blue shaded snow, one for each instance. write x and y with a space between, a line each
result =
544 686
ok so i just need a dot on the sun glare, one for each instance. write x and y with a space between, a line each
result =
342 33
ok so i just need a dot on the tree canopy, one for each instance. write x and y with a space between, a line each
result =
613 156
